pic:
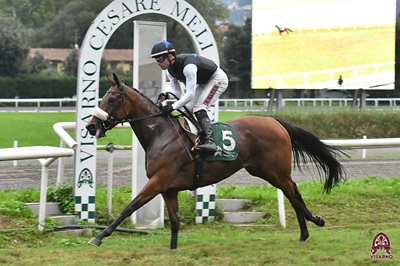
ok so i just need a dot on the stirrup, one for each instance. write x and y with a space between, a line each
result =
205 147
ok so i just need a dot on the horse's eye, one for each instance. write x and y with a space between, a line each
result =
111 100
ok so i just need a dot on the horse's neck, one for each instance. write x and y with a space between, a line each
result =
144 126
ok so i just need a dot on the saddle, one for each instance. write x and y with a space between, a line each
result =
224 137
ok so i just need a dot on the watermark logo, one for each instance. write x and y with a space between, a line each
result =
380 248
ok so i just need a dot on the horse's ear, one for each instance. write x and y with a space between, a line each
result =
112 82
116 79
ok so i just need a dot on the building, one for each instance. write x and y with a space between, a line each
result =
121 59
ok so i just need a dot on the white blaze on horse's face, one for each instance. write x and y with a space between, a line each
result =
99 113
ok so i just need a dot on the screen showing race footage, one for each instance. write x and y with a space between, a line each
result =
323 44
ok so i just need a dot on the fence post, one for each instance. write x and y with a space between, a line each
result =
364 151
281 208
110 149
15 162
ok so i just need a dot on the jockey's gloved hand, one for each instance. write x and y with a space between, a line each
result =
162 97
166 110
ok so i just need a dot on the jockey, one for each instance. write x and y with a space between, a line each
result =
204 82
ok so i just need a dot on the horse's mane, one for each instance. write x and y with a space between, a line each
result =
141 94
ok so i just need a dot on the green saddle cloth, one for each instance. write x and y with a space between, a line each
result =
227 143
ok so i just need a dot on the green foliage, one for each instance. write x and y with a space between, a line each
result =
63 194
14 46
38 86
71 63
37 63
344 123
121 197
47 86
78 15
15 208
187 208
32 13
236 59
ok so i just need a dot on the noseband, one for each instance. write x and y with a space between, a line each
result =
110 122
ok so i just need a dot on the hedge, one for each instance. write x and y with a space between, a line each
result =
36 86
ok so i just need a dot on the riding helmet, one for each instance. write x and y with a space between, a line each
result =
162 47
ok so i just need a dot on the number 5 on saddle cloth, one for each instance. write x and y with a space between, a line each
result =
224 136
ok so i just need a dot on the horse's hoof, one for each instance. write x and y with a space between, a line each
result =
303 237
95 241
320 221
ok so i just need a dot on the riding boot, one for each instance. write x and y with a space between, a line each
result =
209 144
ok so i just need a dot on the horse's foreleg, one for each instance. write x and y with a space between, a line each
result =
144 196
171 201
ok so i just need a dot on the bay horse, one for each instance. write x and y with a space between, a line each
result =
266 146
283 30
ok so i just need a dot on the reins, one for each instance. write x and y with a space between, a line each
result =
187 113
131 120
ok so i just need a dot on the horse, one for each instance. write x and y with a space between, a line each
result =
283 29
266 147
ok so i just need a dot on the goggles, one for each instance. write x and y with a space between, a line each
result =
160 58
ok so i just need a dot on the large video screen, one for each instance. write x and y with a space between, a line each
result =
323 44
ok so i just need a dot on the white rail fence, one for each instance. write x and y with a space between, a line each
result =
46 155
263 103
254 103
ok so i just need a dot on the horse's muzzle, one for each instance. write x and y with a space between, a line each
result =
96 128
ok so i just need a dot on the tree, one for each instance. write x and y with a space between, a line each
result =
34 14
71 63
236 57
74 20
37 63
70 25
14 46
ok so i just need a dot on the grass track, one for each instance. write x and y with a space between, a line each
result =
355 212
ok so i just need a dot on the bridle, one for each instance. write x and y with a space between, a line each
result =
110 122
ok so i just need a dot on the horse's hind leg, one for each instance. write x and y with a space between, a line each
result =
283 181
307 214
298 206
302 213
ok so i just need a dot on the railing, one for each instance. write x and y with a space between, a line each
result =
302 102
14 104
38 102
262 103
46 155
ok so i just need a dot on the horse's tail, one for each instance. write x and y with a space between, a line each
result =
308 147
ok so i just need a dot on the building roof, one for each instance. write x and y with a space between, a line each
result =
60 54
